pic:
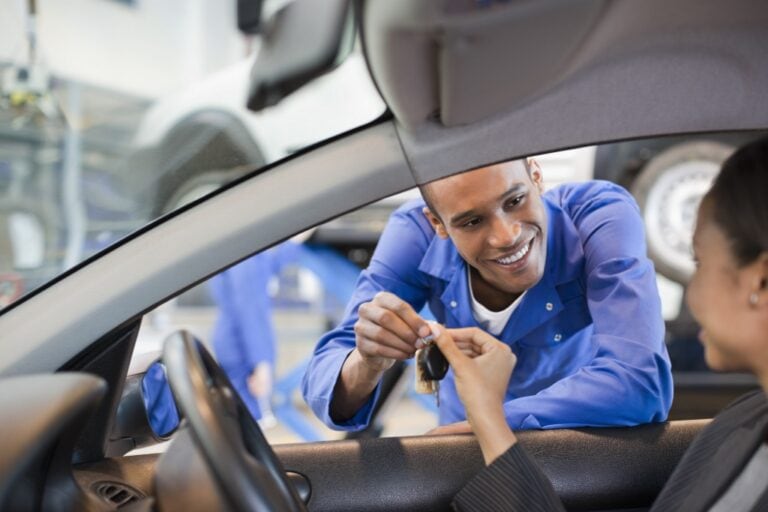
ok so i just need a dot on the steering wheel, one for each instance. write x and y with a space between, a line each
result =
224 430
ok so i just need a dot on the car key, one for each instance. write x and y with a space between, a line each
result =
434 363
431 367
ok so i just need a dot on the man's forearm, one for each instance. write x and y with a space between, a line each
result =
356 382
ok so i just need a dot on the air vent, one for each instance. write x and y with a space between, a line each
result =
116 493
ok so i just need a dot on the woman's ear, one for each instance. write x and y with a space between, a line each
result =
759 280
763 271
436 223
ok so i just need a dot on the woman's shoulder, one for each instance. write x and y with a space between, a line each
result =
733 432
754 402
749 410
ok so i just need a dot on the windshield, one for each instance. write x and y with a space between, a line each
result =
115 112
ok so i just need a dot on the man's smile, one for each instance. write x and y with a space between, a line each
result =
518 258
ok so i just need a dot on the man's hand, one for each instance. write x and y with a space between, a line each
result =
260 380
482 368
387 329
460 427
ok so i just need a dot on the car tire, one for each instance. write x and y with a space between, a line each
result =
202 152
196 187
668 190
191 190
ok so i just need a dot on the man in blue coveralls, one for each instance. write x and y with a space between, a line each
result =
562 277
244 335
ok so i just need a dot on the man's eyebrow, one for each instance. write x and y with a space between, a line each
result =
460 217
514 189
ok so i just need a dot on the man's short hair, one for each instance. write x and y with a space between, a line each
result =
427 195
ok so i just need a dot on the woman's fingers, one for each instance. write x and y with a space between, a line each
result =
493 359
469 348
474 339
446 344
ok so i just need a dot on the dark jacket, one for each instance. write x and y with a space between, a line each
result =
709 466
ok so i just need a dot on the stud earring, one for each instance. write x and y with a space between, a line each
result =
753 299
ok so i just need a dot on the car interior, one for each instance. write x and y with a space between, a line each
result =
466 84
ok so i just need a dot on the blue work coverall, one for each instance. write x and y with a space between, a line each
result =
244 334
589 336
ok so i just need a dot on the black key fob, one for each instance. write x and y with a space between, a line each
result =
432 362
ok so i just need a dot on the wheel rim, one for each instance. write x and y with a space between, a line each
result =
671 208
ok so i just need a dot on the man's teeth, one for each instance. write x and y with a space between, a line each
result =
515 257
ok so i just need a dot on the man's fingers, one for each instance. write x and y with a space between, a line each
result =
370 348
390 321
403 311
376 334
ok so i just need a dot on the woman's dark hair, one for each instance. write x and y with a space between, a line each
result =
739 200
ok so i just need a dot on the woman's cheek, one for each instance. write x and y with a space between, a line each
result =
692 298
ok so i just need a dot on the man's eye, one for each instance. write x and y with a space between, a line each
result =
512 202
471 223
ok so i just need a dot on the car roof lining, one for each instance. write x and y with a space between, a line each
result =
468 88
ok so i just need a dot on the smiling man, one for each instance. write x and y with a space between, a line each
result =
562 277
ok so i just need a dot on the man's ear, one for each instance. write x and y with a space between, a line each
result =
436 223
536 175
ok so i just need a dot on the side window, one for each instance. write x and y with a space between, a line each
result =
262 318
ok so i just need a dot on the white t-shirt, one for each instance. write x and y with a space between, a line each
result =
491 321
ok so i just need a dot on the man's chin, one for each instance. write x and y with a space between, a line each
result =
520 281
517 288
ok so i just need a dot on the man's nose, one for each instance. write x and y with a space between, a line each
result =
505 232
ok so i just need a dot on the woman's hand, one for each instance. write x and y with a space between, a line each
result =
482 368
